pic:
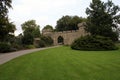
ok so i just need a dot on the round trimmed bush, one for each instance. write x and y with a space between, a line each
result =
93 43
4 47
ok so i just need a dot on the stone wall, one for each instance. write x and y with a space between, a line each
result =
68 36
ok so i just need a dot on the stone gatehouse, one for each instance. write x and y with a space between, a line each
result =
65 37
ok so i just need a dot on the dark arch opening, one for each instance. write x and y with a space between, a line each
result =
60 40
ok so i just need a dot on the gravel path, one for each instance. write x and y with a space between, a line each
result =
5 57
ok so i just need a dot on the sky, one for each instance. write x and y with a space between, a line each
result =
46 12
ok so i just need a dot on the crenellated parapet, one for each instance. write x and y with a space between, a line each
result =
68 36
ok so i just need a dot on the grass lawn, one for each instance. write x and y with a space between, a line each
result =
62 63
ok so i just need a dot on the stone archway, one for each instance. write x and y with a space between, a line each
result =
66 37
60 40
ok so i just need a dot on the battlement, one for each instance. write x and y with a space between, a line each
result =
71 31
67 36
49 31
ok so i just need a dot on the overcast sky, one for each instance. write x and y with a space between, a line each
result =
46 11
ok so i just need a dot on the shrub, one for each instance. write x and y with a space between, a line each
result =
30 46
42 43
47 40
93 43
27 39
4 47
16 47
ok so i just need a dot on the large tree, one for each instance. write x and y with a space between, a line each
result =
10 32
4 6
30 31
103 18
4 21
68 23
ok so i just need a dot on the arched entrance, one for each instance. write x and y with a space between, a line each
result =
60 40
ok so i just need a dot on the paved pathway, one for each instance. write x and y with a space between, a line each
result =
5 57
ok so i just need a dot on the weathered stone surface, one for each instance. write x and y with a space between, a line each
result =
68 36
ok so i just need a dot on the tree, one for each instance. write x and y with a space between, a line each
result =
36 32
118 30
102 18
19 39
48 27
27 38
11 27
4 21
68 23
8 33
4 5
30 30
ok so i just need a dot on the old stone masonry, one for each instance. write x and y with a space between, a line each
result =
65 37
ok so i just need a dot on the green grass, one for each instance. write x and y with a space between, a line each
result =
62 63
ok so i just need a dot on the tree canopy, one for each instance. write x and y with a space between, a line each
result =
68 23
4 6
31 27
48 27
6 27
102 18
30 30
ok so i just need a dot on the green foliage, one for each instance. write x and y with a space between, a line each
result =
45 41
32 27
102 18
48 40
42 44
27 38
48 27
30 31
16 47
68 23
19 39
4 47
16 42
93 43
6 27
11 27
8 32
4 5
36 32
